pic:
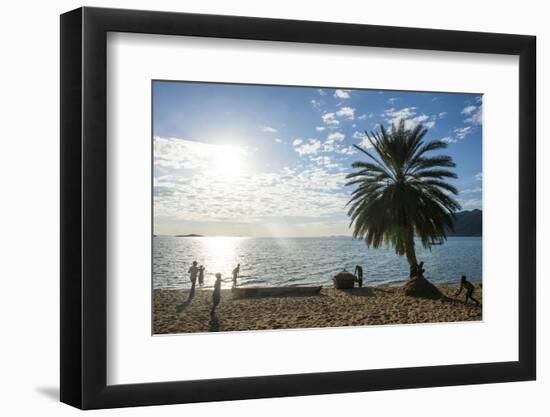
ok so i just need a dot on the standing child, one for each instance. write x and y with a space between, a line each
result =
217 293
193 271
201 275
359 275
236 274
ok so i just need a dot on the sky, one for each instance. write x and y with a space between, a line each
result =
256 160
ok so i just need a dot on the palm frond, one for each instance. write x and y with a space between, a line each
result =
401 190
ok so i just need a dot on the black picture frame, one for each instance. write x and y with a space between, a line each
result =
84 207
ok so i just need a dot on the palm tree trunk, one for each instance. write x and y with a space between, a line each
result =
411 255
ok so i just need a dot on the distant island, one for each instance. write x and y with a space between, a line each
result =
190 235
468 223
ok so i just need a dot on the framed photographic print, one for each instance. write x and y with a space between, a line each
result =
257 208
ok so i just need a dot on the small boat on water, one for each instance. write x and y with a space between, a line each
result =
251 292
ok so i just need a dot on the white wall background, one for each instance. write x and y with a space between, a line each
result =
29 297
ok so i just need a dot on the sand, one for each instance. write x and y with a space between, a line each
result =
331 308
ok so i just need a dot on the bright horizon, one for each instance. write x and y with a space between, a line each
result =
263 161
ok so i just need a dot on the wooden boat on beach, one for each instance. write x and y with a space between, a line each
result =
252 292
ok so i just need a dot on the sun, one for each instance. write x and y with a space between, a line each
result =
229 162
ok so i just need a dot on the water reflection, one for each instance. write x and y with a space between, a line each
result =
304 261
221 254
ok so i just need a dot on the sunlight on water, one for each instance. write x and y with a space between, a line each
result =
305 261
221 253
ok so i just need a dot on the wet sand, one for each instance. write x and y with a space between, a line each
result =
175 313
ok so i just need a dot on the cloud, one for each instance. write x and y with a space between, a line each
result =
420 119
476 118
297 142
442 114
462 132
278 140
324 161
365 143
346 113
182 154
320 128
393 115
335 137
330 119
392 100
470 204
409 115
468 110
321 92
471 190
364 116
312 146
315 103
349 150
358 135
428 125
448 139
479 176
186 188
363 139
474 113
269 129
342 94
311 193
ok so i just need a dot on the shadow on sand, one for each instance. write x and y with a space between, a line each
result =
458 302
185 304
360 292
214 323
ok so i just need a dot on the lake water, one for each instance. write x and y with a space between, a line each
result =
306 261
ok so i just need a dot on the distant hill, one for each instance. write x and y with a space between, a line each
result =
468 223
190 235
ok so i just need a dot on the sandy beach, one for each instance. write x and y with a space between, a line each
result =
331 308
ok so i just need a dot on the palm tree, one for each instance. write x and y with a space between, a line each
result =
401 192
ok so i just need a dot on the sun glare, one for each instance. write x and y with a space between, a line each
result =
222 254
229 162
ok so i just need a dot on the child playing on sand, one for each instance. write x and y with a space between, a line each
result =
469 287
217 293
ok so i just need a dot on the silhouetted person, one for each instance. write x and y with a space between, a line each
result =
469 287
420 269
201 275
416 270
193 271
236 274
359 275
217 293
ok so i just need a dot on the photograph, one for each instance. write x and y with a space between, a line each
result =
346 203
291 207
